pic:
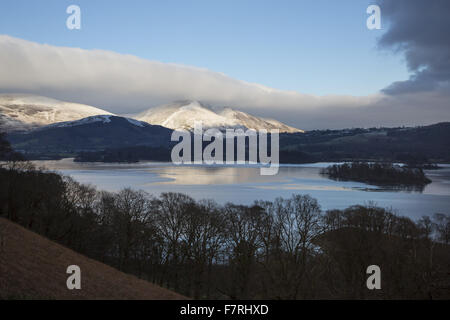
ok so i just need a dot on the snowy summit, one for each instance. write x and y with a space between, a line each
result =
22 111
184 114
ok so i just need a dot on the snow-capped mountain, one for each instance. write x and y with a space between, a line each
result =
184 114
23 112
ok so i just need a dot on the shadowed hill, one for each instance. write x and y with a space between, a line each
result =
33 267
92 133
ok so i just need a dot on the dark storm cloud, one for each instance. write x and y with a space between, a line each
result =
421 30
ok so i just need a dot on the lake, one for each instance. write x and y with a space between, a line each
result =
244 184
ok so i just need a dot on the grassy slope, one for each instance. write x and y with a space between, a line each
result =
33 267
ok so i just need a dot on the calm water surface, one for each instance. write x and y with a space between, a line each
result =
245 184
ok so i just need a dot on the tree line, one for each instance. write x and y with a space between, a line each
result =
378 173
281 249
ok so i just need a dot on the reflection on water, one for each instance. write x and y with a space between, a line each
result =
441 181
245 184
223 175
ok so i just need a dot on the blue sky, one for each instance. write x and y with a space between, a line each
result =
314 47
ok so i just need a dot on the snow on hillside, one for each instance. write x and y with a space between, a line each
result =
184 114
283 127
253 122
21 111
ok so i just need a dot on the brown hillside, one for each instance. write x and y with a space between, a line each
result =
33 267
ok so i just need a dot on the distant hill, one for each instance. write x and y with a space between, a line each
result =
112 138
23 111
410 145
33 267
90 134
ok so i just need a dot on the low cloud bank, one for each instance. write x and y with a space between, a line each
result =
126 84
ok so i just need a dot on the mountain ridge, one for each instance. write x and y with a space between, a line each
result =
25 112
183 115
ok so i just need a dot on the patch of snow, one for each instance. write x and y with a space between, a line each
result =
93 119
136 122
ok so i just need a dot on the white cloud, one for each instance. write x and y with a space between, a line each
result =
127 84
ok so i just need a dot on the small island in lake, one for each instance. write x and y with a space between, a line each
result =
384 174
